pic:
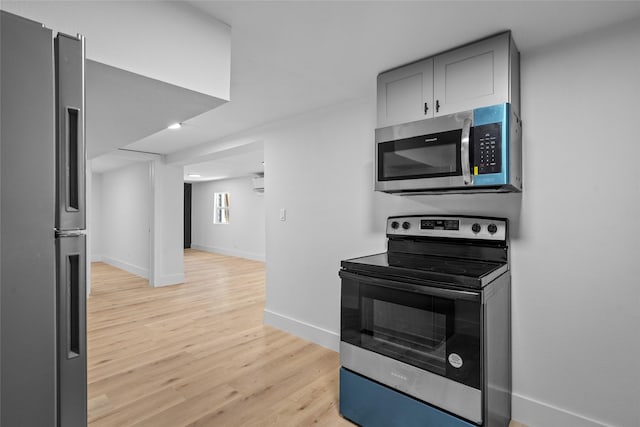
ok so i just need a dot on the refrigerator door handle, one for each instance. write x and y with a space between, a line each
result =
71 330
72 289
73 153
70 146
71 294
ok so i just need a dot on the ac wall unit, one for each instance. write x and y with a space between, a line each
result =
258 184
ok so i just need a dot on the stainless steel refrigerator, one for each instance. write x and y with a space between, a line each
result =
42 220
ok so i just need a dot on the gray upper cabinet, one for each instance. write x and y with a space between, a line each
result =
472 76
476 75
406 94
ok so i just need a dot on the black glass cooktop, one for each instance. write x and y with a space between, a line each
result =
472 273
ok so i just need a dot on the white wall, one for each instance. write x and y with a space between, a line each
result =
575 250
95 225
319 168
244 236
167 261
576 260
126 210
136 220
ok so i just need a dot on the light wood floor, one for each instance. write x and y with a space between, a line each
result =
198 354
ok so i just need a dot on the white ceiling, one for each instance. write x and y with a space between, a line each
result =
244 164
119 159
243 160
293 57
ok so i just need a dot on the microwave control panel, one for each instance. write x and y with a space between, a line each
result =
487 149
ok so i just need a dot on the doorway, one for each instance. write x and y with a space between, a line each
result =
187 215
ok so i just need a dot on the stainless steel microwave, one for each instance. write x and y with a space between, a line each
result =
472 151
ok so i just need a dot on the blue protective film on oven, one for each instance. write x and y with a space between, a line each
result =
370 404
495 114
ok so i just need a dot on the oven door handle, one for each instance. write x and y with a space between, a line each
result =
410 287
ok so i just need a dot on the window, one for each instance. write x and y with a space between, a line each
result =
221 208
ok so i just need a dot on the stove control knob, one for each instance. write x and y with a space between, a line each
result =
492 228
476 228
395 225
406 225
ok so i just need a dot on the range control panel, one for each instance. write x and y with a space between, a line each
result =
439 224
448 227
487 149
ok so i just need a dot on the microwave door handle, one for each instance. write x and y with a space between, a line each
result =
464 152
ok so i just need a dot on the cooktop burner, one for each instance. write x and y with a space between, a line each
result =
440 264
463 272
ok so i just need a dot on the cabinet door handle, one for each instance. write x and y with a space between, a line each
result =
437 106
426 108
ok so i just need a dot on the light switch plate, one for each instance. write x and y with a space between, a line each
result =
283 214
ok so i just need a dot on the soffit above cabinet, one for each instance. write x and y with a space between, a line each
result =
149 64
123 108
166 41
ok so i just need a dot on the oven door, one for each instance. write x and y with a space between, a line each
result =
421 340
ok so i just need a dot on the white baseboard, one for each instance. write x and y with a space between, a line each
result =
96 258
168 280
320 336
230 252
133 269
533 413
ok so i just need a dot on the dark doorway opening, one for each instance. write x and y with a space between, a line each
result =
187 216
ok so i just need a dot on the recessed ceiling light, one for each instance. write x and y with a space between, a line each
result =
175 126
194 175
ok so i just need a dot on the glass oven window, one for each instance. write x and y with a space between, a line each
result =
416 336
437 334
426 156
